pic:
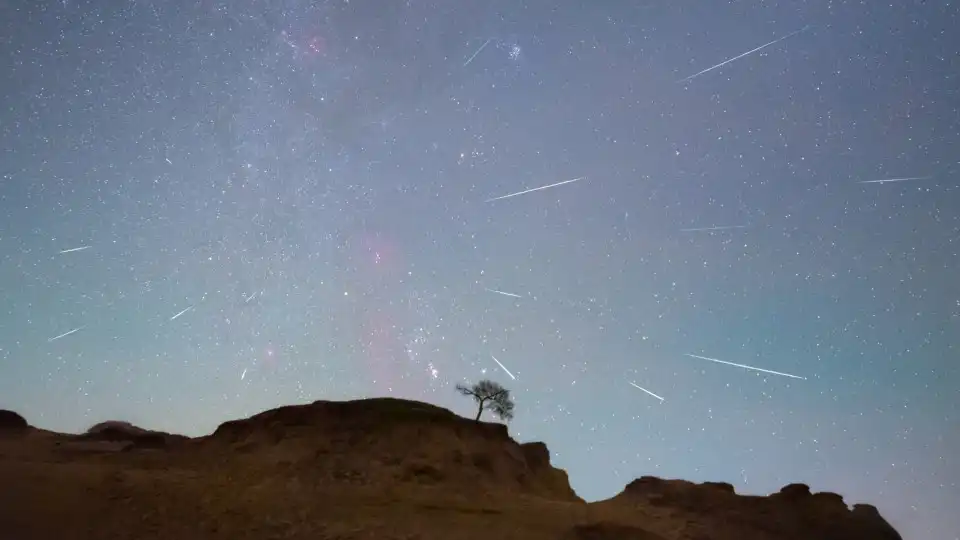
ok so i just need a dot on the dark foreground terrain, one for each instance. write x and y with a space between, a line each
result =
380 469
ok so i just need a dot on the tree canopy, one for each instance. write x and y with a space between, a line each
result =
489 395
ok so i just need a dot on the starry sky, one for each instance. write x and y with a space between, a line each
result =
212 208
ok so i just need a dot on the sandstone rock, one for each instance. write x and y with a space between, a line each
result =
375 468
11 421
714 511
118 431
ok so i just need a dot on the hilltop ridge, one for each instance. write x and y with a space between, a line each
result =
374 468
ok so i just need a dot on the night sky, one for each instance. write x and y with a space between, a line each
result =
212 208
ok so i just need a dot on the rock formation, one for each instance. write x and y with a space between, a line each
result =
373 441
11 421
375 468
134 437
715 510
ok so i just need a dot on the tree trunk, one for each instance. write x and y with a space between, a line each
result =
479 412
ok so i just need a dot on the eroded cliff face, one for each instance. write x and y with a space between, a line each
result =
383 441
715 510
11 421
377 468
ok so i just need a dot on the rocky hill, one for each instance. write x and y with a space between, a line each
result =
376 468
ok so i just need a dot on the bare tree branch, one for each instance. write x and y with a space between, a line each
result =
489 395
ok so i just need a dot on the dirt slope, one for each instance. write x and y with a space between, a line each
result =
378 468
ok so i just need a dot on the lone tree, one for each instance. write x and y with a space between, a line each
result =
489 395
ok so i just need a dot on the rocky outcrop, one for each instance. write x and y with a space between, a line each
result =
116 431
871 523
714 510
11 421
375 468
388 440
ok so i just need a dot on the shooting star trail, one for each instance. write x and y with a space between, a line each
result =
638 387
243 375
722 228
885 180
181 313
503 367
474 55
168 161
748 367
725 62
71 250
247 299
531 190
503 293
65 334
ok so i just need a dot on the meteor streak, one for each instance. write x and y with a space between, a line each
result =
638 387
503 293
722 228
474 55
531 190
71 250
503 367
725 62
65 334
747 367
885 180
181 313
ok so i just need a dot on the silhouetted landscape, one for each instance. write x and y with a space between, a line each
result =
376 468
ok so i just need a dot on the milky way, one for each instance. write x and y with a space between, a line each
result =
211 209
